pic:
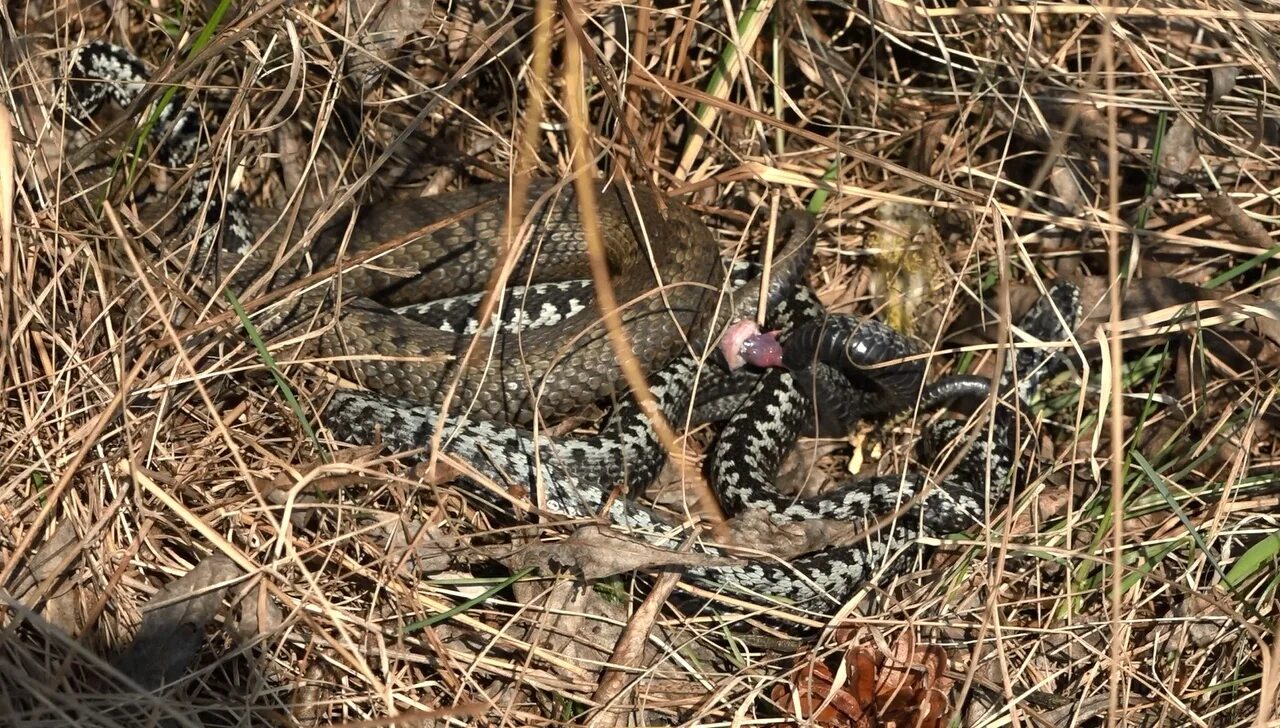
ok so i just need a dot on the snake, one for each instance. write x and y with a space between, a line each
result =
834 369
449 243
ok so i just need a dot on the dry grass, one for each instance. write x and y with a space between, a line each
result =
1133 579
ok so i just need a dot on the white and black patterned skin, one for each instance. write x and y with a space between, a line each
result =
99 72
753 444
576 476
527 307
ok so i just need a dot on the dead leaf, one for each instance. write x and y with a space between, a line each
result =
906 246
419 548
308 700
573 620
255 616
594 552
169 638
1066 186
1178 153
901 18
1221 80
800 475
383 28
61 607
756 530
908 687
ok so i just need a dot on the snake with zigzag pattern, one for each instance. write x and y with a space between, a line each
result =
391 336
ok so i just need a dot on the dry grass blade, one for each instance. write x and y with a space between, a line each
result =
7 165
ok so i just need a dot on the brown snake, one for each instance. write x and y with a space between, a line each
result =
664 266
563 367
664 269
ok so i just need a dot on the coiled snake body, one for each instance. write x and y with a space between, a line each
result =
384 337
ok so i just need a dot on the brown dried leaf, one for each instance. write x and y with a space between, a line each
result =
902 18
593 552
61 607
810 696
1066 186
383 28
578 624
170 635
907 688
1221 80
1178 151
255 616
419 548
912 685
756 530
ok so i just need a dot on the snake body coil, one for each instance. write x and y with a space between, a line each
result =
563 366
447 246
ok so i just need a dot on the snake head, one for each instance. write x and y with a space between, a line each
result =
744 343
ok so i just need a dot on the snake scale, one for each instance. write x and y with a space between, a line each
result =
404 350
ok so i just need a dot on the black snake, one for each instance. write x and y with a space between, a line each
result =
840 357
